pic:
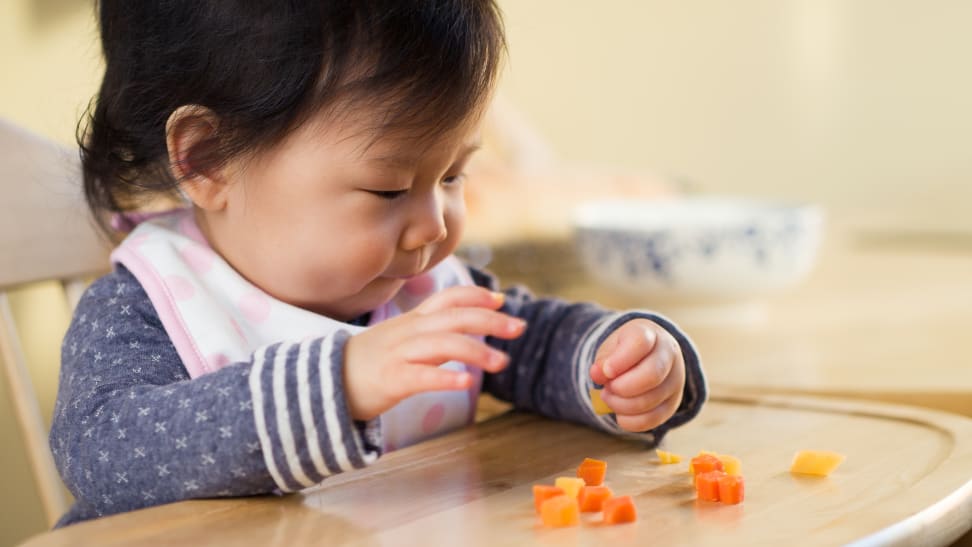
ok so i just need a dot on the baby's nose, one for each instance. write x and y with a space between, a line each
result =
427 226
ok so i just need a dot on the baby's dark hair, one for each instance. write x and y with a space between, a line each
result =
264 67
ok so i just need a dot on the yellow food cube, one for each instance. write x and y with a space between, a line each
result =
815 462
667 457
730 464
570 485
600 407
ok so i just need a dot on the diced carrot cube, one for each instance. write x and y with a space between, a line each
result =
667 457
705 462
560 511
600 407
618 510
571 485
543 492
592 498
707 485
592 471
732 489
730 464
815 462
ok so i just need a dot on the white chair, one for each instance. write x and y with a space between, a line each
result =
45 234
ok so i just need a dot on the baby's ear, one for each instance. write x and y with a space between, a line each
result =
191 136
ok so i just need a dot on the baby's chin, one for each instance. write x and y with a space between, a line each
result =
352 307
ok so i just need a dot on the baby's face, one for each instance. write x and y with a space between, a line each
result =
334 221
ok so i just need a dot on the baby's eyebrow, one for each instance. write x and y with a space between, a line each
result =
404 161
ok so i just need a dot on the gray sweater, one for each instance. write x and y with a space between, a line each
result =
132 430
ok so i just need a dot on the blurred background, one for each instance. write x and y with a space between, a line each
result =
864 107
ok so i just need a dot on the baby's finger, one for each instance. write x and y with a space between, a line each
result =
408 380
597 374
435 349
467 320
649 374
634 342
457 297
644 401
651 419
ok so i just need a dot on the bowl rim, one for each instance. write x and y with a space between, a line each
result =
597 214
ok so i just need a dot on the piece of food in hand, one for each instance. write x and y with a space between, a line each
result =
705 462
619 510
592 471
543 492
591 498
732 489
560 511
730 464
570 485
600 407
815 462
707 485
667 457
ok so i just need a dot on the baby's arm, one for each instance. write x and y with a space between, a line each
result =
550 363
131 430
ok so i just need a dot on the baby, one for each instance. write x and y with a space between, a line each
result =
298 311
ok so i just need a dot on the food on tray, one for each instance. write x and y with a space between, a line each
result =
619 510
592 498
592 471
707 485
815 462
667 457
730 464
600 407
704 463
543 492
560 511
571 485
731 489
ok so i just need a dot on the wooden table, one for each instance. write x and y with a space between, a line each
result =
906 481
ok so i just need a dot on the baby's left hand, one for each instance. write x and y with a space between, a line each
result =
642 370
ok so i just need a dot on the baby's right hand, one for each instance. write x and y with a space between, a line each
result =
400 357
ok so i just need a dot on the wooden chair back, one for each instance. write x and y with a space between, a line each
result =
45 234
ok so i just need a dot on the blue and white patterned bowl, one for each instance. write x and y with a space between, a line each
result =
703 250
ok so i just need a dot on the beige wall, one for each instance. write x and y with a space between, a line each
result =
863 105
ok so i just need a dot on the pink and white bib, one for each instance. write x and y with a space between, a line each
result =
215 317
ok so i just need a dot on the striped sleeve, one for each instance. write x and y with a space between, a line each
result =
549 371
694 393
302 419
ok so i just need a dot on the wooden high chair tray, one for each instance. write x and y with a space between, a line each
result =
907 480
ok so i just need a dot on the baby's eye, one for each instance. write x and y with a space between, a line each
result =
388 194
454 179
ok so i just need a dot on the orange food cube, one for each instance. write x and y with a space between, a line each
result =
592 498
815 462
592 471
731 489
618 510
571 485
730 464
543 492
560 511
707 485
600 407
704 463
667 457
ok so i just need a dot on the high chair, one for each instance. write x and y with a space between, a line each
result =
45 234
